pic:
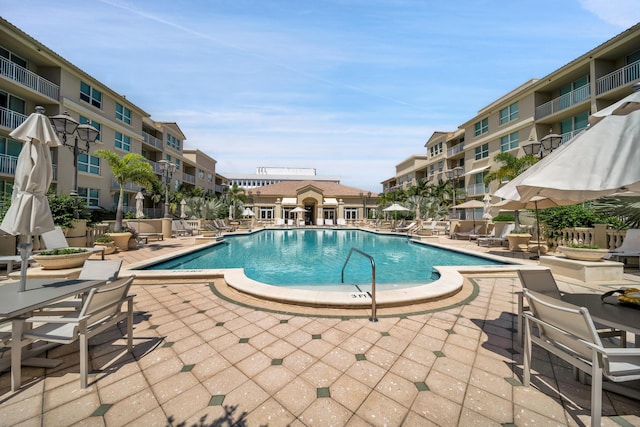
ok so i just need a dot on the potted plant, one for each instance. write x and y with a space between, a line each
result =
57 259
133 240
105 241
518 240
583 252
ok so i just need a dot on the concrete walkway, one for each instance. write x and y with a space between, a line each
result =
202 359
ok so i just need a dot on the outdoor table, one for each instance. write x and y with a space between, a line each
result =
38 294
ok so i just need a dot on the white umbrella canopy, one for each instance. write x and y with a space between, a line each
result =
471 204
298 210
247 212
601 161
395 208
29 213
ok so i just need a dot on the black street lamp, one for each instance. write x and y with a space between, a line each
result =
453 175
546 145
65 125
167 169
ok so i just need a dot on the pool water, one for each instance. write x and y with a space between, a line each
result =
316 257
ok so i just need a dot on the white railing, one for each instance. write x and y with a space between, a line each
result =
29 79
8 164
475 189
152 140
455 149
620 77
11 119
589 237
563 102
191 179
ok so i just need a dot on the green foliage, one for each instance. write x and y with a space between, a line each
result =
504 218
577 246
624 211
560 217
104 238
63 251
65 209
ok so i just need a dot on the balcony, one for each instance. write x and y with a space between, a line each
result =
8 164
476 189
618 78
29 79
191 179
11 119
563 102
455 149
152 140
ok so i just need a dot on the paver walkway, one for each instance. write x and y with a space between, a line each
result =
201 360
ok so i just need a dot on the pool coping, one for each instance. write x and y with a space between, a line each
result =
449 283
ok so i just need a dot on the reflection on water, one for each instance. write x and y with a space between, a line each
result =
316 256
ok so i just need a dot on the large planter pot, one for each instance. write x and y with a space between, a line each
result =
121 240
77 235
517 240
109 247
583 254
59 262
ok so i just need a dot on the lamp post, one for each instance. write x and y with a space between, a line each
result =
167 169
64 125
546 145
453 175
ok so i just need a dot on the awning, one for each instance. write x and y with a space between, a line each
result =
330 201
475 171
289 201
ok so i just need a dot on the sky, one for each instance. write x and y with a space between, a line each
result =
350 88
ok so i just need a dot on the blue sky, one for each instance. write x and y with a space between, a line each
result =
349 87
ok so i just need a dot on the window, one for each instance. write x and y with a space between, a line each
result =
209 177
85 121
16 110
482 151
266 213
88 164
90 195
177 165
90 95
174 142
436 149
350 213
200 174
509 142
432 169
123 113
481 127
123 142
509 113
440 166
13 58
575 123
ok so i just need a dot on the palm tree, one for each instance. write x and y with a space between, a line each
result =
235 194
512 166
131 168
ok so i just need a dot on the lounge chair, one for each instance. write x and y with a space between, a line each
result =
55 239
145 236
328 222
496 240
468 234
101 309
630 247
406 228
178 229
280 222
568 332
341 222
290 223
221 226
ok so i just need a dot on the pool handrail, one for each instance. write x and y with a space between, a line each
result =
373 317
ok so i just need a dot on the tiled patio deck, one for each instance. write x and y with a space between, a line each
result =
201 360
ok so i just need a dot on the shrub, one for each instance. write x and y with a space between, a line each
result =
504 218
62 251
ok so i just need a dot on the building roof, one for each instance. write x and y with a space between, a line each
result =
329 189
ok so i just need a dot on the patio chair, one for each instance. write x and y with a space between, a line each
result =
328 222
467 234
280 222
55 239
630 247
341 222
178 230
496 240
102 308
145 236
543 282
568 332
221 226
406 228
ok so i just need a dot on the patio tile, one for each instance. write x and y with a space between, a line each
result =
248 396
133 408
168 388
296 396
397 388
225 381
270 413
325 412
379 411
436 408
274 378
187 403
71 412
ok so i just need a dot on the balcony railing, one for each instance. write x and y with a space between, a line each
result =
475 189
8 164
11 119
152 140
563 102
191 179
455 149
29 79
618 78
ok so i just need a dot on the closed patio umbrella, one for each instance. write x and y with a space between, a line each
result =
29 213
139 205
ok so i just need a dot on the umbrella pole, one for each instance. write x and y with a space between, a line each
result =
537 226
25 253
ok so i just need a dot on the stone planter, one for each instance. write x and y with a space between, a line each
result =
109 247
121 240
59 262
209 233
77 235
518 241
583 254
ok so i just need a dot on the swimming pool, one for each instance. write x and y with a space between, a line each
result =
311 257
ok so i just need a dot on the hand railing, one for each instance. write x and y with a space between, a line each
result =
373 317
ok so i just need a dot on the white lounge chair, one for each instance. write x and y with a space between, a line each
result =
630 247
55 239
408 227
497 240
467 234
328 222
568 332
101 310
341 222
280 222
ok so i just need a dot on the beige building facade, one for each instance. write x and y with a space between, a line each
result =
32 75
558 104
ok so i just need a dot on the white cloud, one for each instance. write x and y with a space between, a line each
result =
621 13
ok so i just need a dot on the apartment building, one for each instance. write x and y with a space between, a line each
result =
33 75
555 108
